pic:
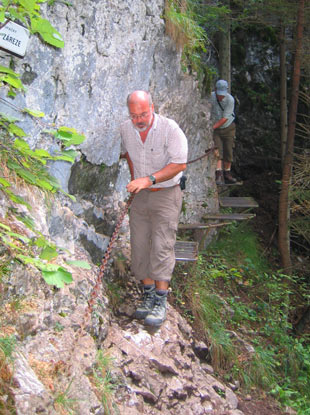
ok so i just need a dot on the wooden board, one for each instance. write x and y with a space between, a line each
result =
238 202
186 251
191 226
229 216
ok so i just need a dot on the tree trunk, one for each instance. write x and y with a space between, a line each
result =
283 235
283 93
225 53
225 48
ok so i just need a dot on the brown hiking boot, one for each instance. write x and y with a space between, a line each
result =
228 178
219 178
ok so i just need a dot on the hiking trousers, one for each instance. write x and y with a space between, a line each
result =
154 218
224 141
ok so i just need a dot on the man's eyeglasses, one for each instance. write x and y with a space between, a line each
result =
135 117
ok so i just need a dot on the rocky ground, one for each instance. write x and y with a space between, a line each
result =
55 367
161 371
168 369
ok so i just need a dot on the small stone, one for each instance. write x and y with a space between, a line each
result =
235 385
201 350
290 411
207 368
231 399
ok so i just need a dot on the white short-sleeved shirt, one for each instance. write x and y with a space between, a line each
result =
228 105
165 143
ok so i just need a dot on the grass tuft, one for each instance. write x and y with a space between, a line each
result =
7 347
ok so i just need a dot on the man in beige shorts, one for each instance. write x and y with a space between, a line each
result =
156 151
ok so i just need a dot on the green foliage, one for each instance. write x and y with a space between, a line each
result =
36 252
211 17
68 136
233 290
7 346
19 162
300 187
58 327
186 24
48 33
294 388
80 264
39 253
28 13
10 78
102 379
52 2
64 402
268 12
34 113
26 163
183 17
52 273
113 294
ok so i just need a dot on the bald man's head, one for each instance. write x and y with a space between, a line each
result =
139 97
140 109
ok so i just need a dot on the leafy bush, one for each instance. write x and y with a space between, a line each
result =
186 23
20 164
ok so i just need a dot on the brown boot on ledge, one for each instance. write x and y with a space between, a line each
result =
229 179
219 178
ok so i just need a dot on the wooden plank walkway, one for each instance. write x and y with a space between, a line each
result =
224 188
238 202
186 251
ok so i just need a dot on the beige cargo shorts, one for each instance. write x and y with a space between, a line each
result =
154 218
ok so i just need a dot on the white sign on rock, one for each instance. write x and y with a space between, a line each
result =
14 38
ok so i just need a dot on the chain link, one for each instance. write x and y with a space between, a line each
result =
98 285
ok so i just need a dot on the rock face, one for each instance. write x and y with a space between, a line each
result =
57 366
161 370
56 362
111 48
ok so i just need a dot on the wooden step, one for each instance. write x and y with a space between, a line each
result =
191 226
186 251
229 216
238 202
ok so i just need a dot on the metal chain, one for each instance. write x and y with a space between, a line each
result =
97 287
207 152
